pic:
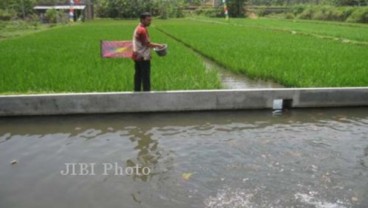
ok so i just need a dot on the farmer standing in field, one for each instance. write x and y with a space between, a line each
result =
142 53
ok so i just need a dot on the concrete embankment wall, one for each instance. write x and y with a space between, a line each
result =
128 102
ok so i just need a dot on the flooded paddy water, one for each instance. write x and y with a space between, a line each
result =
231 80
303 158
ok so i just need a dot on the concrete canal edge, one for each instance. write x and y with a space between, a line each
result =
171 101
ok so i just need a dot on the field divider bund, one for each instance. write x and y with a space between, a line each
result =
177 101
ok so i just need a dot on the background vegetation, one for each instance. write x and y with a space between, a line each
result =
316 12
308 9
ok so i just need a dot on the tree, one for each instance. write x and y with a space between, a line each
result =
22 8
236 8
132 8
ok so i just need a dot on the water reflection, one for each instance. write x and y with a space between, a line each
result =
364 159
147 155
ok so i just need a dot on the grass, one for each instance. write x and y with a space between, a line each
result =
293 60
67 59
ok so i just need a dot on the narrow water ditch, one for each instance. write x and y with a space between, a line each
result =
229 79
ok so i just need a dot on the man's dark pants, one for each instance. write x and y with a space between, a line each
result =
142 75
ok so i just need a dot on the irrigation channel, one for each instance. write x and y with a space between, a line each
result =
231 80
312 158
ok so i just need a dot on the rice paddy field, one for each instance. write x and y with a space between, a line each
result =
335 30
293 53
293 59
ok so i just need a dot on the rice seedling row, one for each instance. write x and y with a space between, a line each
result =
297 61
342 31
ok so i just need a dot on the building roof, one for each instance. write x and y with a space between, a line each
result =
61 7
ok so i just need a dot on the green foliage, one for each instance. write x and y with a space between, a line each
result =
349 3
349 14
133 8
7 14
168 9
51 16
307 13
54 16
267 10
297 9
210 12
261 12
236 8
34 20
19 27
289 15
359 15
16 25
327 13
310 2
23 8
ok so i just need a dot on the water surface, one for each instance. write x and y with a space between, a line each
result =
252 159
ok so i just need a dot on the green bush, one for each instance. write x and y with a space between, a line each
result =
7 14
328 13
51 16
179 13
298 9
359 15
33 20
16 25
307 13
210 12
289 15
336 14
319 15
346 12
216 12
325 13
2 24
62 17
262 12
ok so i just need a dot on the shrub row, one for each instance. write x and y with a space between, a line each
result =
206 11
328 13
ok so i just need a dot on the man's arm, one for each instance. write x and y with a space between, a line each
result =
143 37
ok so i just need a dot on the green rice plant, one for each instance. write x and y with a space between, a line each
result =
355 32
293 60
67 59
181 69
